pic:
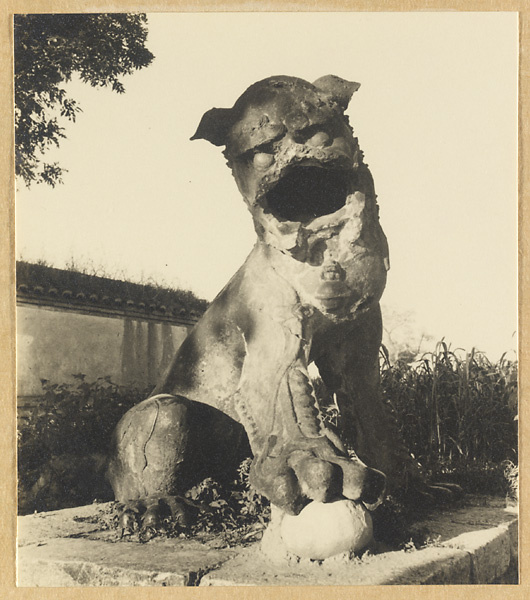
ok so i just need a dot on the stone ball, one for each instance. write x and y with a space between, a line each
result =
322 530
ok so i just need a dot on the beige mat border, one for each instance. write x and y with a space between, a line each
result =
7 299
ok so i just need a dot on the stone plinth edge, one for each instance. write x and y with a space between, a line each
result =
68 548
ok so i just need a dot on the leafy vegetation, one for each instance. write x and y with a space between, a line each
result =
457 412
239 514
63 442
218 516
49 49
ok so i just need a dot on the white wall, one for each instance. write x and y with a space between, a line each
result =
54 344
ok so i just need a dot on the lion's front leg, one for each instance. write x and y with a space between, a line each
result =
349 365
296 459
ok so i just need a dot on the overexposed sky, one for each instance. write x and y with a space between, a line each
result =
436 117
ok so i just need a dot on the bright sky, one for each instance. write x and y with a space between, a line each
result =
436 117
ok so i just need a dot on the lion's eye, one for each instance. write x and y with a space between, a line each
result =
321 138
263 160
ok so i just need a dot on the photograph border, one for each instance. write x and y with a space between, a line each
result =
8 8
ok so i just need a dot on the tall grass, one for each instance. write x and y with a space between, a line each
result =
455 409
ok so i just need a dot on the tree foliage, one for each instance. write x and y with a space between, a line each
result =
49 49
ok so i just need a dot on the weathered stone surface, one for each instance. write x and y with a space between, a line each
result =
308 292
446 560
445 563
322 530
166 444
91 562
431 566
67 522
490 551
69 548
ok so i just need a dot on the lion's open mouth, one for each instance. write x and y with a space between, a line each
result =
308 192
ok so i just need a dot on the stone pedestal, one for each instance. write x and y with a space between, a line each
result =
475 544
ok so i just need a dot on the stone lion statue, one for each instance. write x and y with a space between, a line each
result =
308 293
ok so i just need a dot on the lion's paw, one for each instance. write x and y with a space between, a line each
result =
145 517
313 469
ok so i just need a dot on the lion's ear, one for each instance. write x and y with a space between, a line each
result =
337 89
214 126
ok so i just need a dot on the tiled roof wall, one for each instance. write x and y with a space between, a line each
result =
72 290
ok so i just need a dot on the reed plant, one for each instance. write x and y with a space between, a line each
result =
457 411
